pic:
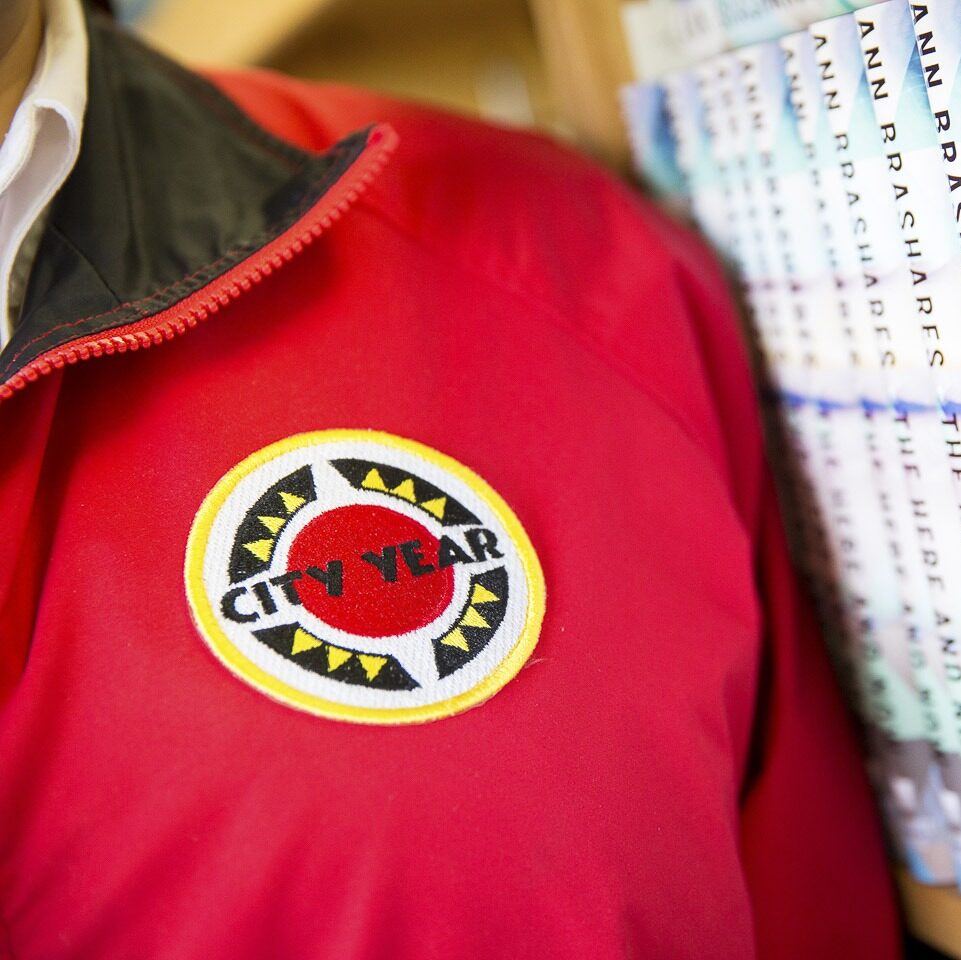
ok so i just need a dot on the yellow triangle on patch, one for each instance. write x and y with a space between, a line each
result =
482 595
473 619
372 665
336 657
456 639
374 481
304 641
436 506
405 489
291 501
260 549
273 524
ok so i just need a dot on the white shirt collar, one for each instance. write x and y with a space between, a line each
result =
41 146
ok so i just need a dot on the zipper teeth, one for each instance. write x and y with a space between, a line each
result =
383 147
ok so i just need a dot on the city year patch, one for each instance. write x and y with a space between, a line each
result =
361 576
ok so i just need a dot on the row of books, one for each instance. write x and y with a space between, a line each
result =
825 167
666 35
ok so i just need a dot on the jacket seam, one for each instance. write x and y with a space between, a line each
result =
560 320
54 229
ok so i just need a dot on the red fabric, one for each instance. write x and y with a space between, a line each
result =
637 790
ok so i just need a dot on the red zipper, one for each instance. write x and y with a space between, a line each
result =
196 308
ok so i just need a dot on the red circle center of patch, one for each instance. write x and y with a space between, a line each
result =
389 579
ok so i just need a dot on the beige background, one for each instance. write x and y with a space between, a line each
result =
552 64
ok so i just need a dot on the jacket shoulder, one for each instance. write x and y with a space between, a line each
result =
554 229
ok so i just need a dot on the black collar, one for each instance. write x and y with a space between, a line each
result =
173 187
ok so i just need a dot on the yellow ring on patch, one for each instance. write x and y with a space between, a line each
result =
240 665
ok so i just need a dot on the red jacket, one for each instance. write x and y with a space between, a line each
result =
574 537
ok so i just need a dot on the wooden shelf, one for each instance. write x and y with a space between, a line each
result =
587 62
478 56
933 914
251 32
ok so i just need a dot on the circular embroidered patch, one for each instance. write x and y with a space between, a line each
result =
364 577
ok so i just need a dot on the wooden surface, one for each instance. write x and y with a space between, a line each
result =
933 914
476 56
554 64
227 32
587 62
